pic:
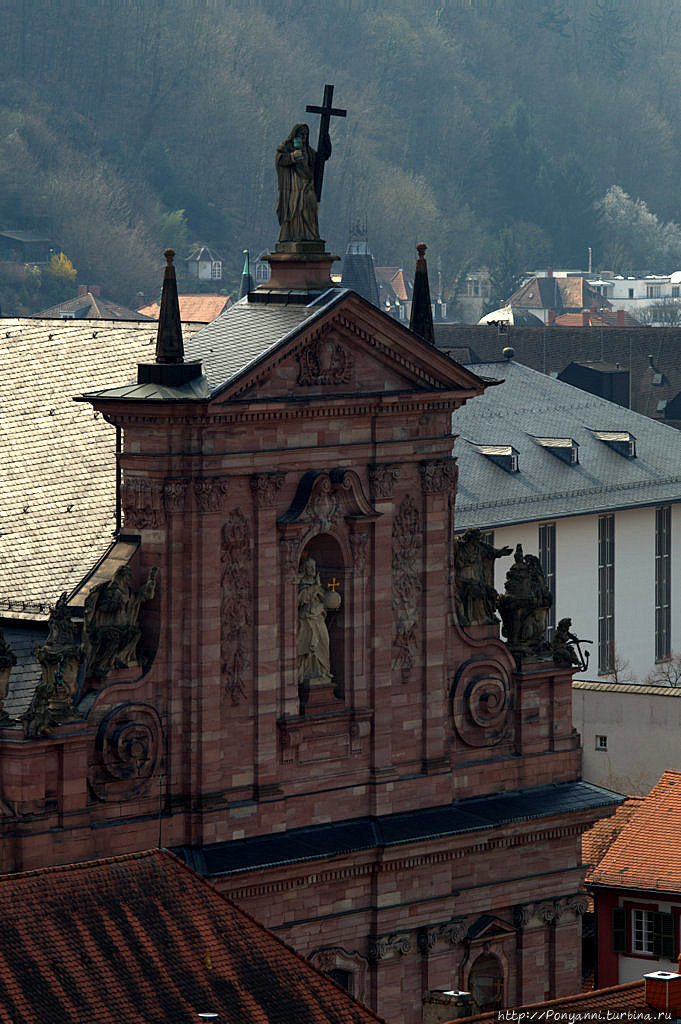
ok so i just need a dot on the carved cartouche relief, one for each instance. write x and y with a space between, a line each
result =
142 501
325 361
236 615
406 554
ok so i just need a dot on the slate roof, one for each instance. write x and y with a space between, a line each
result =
142 938
25 675
90 307
337 839
645 854
568 293
531 405
625 998
195 309
57 487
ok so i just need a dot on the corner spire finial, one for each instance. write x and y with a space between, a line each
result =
421 319
169 347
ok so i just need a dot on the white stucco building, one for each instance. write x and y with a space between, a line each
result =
594 490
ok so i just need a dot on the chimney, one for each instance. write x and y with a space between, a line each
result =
440 1005
95 290
585 318
593 309
663 991
421 319
549 272
620 318
82 290
552 316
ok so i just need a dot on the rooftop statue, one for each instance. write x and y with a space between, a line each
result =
524 606
110 629
566 647
475 596
300 175
60 659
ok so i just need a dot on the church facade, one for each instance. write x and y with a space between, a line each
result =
270 671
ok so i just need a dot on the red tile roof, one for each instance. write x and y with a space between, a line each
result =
597 840
194 309
645 854
629 998
143 938
601 318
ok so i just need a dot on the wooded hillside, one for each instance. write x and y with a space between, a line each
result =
464 118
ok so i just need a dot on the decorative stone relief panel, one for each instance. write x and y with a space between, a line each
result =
236 615
128 752
325 361
549 911
142 501
407 541
359 545
451 933
265 488
482 702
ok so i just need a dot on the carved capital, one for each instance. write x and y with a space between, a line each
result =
382 479
439 476
209 493
381 946
265 488
174 493
142 501
451 932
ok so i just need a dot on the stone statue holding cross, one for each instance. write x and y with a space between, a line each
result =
314 653
300 175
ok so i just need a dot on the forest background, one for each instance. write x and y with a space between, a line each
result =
512 133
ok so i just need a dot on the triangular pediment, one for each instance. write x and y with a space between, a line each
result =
350 348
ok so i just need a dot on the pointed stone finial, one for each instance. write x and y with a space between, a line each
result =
169 347
246 286
421 319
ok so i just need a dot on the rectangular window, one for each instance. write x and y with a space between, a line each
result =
676 291
663 582
653 291
547 557
216 270
642 931
487 537
606 593
601 743
631 293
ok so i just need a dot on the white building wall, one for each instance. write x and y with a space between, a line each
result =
635 591
676 575
642 732
633 968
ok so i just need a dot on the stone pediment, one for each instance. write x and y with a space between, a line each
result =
322 498
350 349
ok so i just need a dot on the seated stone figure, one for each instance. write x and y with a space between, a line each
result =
110 630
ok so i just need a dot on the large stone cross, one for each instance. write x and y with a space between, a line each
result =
327 111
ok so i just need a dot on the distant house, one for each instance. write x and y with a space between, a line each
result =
595 491
194 309
204 264
394 292
25 247
549 297
636 887
89 305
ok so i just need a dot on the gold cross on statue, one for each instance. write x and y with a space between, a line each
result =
333 584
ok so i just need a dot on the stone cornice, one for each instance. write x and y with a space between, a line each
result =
375 867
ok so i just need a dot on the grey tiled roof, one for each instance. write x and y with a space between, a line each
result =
530 404
57 485
25 675
247 331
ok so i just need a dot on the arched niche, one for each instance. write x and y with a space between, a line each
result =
335 576
486 983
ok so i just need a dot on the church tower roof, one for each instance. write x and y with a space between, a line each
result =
421 320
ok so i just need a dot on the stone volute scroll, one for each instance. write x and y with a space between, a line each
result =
111 630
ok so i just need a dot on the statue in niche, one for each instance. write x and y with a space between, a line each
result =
524 606
60 659
314 601
297 202
8 660
110 630
475 596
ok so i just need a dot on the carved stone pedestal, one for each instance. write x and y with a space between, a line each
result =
299 270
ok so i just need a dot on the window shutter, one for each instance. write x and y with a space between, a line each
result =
663 936
619 930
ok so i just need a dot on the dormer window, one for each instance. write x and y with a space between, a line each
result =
565 448
621 441
504 455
